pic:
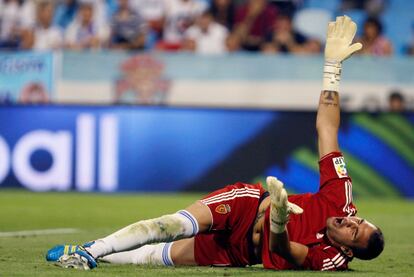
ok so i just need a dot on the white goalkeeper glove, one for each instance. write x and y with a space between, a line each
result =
280 207
337 49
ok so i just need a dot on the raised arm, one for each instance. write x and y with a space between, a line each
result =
337 49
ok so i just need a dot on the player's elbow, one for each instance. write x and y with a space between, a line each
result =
279 251
282 249
286 254
278 243
327 130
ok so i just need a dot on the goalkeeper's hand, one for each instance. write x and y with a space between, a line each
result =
338 48
280 207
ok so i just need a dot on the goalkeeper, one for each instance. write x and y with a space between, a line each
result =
243 224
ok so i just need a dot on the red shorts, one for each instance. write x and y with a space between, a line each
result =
229 241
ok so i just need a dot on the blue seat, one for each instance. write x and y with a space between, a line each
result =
358 16
331 5
398 27
400 5
312 22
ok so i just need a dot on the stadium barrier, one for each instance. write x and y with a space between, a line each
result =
137 148
249 81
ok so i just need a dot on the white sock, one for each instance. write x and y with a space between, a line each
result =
158 254
166 228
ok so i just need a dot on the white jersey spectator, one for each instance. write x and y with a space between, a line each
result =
16 17
180 14
46 35
28 13
10 18
127 28
207 36
100 11
85 32
48 39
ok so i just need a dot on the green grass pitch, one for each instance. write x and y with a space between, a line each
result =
96 215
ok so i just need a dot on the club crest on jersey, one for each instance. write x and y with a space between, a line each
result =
340 167
223 209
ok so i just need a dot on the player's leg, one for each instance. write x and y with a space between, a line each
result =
183 224
180 252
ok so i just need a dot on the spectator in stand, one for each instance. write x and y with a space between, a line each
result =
45 35
84 32
206 36
10 24
396 102
283 38
153 13
65 12
254 20
128 28
27 14
223 12
374 42
179 16
101 14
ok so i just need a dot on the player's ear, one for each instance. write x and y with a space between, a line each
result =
347 251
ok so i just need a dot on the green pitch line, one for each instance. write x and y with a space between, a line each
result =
388 135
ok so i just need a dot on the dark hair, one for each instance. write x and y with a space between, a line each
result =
230 14
396 95
376 22
373 249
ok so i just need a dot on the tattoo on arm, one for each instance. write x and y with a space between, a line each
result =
259 216
329 98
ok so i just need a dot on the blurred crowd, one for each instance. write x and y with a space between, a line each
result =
201 26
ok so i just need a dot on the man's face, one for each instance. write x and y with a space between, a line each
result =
349 231
45 14
86 13
371 30
396 105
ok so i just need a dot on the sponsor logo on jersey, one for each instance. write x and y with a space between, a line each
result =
340 167
223 209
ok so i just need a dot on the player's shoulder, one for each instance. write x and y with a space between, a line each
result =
335 161
333 170
326 257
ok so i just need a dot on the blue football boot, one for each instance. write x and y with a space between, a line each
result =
72 256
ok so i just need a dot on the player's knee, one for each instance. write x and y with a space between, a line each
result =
202 214
182 252
179 225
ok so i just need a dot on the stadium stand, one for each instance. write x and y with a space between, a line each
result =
309 17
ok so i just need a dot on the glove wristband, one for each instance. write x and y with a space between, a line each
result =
332 75
277 225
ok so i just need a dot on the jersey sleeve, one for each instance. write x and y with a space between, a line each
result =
335 183
325 258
